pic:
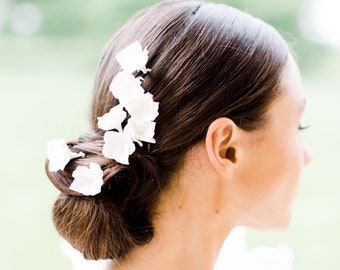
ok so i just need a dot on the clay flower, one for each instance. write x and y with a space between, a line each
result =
87 181
140 132
59 154
118 146
126 87
133 58
113 119
143 109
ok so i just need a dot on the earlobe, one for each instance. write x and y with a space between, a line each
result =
219 144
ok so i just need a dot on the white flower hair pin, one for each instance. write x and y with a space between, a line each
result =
87 181
59 155
118 141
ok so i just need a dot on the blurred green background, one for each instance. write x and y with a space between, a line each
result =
49 51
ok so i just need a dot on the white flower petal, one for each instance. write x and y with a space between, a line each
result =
87 181
126 87
113 119
129 129
143 109
59 154
133 58
146 132
118 146
143 132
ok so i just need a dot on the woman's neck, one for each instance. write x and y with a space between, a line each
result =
183 240
191 223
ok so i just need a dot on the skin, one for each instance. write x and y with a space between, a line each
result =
232 178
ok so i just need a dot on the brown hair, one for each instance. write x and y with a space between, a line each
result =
207 61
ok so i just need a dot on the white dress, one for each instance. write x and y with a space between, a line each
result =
234 255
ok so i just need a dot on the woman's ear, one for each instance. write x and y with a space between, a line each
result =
220 145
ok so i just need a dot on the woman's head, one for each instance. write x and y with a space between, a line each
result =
207 61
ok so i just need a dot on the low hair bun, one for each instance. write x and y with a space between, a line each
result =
120 215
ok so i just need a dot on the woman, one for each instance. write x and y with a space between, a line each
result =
226 101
